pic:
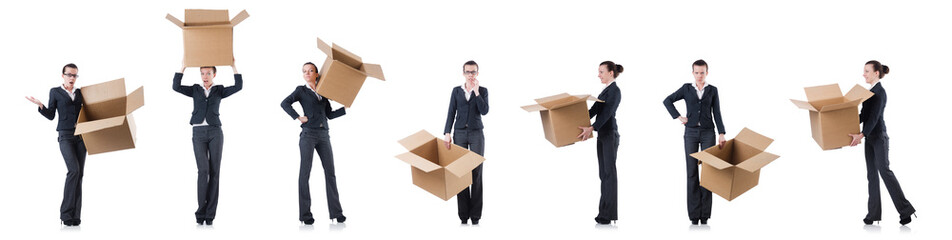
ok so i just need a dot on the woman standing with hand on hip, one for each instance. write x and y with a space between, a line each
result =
314 136
877 148
607 145
67 100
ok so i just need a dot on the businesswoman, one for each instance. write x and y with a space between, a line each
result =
877 149
207 137
703 113
607 144
468 103
67 100
314 136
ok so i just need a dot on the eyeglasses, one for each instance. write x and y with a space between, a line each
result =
470 72
71 75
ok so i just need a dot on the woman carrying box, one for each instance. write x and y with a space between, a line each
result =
607 145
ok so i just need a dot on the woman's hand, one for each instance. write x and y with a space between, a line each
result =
684 120
721 141
857 139
448 139
303 119
35 101
586 132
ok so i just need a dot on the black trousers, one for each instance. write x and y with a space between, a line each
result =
74 153
877 164
470 200
207 144
317 139
699 198
607 154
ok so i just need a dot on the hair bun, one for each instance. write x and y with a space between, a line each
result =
619 68
885 69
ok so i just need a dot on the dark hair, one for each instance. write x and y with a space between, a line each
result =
315 67
470 63
614 68
214 70
879 67
70 65
699 63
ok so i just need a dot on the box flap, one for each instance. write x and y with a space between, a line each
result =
324 48
824 92
238 18
858 92
753 139
135 100
104 91
205 17
373 70
416 139
757 161
804 105
838 106
346 57
418 162
175 21
711 160
92 126
589 97
465 164
533 108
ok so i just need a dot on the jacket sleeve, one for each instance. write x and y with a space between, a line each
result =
332 114
716 110
872 115
177 85
50 110
482 101
451 113
669 102
234 88
286 104
608 108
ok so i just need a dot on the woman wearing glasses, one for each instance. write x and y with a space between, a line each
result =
468 103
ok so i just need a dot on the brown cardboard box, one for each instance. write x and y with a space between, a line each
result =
343 74
440 171
734 169
105 121
833 116
562 114
208 36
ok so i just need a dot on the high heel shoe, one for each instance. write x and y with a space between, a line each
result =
341 219
868 221
602 221
308 221
907 219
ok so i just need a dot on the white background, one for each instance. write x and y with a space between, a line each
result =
760 54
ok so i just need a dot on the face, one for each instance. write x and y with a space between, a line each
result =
69 77
605 75
470 72
310 73
869 74
700 73
208 75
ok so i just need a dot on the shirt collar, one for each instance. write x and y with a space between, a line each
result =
694 84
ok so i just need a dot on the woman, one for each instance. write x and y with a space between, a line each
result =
207 137
468 103
607 145
314 136
68 100
877 149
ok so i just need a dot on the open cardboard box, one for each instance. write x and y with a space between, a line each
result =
732 170
105 121
440 171
208 36
833 116
562 114
343 73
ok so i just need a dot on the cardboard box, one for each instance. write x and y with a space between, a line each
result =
343 74
440 171
208 36
833 116
734 169
105 121
562 114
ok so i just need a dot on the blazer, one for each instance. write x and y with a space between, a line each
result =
468 113
67 108
605 111
205 108
699 110
316 111
872 113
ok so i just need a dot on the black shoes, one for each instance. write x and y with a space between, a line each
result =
907 219
200 221
868 221
694 221
704 221
603 221
308 221
341 219
475 221
71 223
206 221
463 220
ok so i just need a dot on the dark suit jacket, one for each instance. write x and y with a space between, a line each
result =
699 110
68 108
468 113
316 111
205 108
872 114
606 110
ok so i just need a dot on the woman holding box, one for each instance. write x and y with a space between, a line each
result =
607 145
